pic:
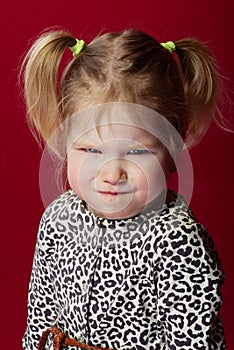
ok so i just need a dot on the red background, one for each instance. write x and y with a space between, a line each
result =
21 205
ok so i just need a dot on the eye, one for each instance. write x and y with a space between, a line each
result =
88 150
139 151
91 150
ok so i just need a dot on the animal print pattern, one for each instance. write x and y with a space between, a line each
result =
149 282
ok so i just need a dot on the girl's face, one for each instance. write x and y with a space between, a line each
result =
117 169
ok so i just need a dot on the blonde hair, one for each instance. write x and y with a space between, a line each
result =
127 66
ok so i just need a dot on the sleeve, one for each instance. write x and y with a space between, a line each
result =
41 306
189 277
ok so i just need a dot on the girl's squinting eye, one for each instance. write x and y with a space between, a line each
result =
92 150
88 150
140 151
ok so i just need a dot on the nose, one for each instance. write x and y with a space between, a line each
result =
113 172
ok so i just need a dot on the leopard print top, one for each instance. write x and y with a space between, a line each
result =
144 283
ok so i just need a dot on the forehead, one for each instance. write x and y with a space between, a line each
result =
120 120
107 119
114 131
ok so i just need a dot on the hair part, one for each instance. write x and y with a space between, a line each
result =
127 66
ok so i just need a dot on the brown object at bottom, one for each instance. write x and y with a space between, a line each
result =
61 340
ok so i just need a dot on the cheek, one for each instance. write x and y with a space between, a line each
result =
73 172
150 172
156 177
81 171
152 179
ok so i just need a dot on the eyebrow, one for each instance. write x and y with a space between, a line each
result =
135 144
83 144
152 144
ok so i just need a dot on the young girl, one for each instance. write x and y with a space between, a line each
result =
121 262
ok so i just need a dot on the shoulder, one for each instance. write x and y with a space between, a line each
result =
68 198
181 238
58 215
175 215
66 202
178 220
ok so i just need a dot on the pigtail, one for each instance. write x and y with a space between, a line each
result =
201 86
40 71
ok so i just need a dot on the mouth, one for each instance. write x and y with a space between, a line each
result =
111 193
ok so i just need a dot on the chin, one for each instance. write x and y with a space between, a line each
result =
118 215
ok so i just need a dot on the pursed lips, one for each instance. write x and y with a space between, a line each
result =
113 193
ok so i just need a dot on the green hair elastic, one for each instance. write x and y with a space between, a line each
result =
78 47
169 45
